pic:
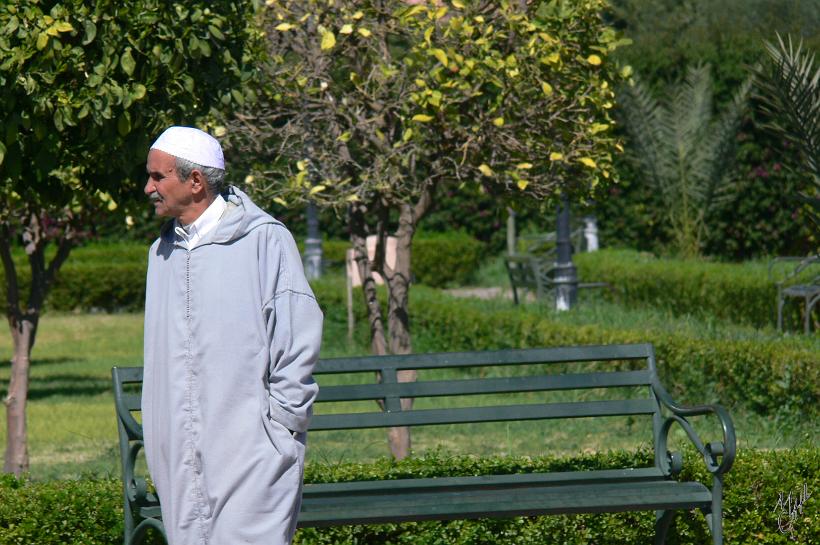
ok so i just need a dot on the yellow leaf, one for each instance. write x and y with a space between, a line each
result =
316 189
440 55
364 32
42 40
346 29
112 205
619 147
553 58
546 88
220 131
598 127
606 173
498 121
64 26
594 60
428 34
418 8
441 12
555 156
523 166
422 118
249 179
301 165
485 169
48 19
408 134
458 4
280 200
328 40
344 137
626 71
420 82
522 184
52 31
356 16
587 161
284 27
352 198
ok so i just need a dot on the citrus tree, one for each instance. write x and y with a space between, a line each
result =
84 86
375 106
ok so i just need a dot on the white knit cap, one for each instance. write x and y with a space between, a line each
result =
192 144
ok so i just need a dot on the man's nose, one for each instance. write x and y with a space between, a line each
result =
149 187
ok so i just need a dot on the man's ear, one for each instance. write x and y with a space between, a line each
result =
199 186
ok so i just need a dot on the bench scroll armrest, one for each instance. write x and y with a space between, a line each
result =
718 455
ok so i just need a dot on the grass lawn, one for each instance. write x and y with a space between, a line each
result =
72 427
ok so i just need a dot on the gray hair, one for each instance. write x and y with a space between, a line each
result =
215 177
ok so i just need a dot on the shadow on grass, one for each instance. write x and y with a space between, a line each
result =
45 361
63 385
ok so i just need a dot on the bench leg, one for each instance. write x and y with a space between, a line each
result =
714 515
663 519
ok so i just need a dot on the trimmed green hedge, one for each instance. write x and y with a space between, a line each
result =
89 512
438 260
771 376
741 293
111 277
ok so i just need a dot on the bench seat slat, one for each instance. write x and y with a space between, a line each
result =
464 415
351 489
485 386
485 358
536 500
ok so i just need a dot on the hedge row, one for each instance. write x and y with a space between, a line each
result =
741 293
89 512
111 277
770 376
438 259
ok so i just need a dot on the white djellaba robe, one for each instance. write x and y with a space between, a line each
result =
232 332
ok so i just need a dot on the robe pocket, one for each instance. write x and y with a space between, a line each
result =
283 440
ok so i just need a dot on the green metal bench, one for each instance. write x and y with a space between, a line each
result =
535 274
623 377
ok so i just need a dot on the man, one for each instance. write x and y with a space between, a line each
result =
232 332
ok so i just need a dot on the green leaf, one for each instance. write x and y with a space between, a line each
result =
127 62
42 41
215 32
237 96
90 31
124 124
2 152
138 91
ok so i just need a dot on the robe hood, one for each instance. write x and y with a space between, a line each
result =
241 217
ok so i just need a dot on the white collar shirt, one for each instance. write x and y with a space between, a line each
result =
190 235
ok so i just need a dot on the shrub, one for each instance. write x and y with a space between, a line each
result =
89 512
769 376
111 277
742 294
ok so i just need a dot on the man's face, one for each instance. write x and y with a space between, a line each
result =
170 196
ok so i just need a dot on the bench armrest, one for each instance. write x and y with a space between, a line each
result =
718 455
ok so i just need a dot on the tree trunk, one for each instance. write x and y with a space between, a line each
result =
23 332
23 324
398 322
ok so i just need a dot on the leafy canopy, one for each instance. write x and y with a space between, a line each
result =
382 99
85 85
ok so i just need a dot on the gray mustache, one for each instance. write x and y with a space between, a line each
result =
154 197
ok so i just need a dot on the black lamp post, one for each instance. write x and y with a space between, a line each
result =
313 244
566 275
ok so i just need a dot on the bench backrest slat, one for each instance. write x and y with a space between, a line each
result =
485 358
463 415
439 388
